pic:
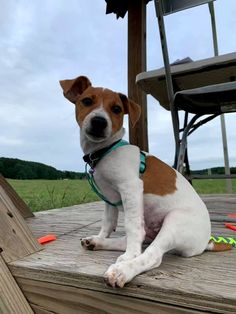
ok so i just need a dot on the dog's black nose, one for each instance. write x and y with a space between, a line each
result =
98 124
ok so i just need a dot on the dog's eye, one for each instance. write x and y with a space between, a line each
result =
87 101
116 109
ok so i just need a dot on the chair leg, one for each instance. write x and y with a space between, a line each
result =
187 166
187 172
182 146
169 83
175 122
183 143
186 160
181 154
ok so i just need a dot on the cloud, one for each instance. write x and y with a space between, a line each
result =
43 42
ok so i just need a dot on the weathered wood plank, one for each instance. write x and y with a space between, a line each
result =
178 281
204 283
16 239
224 203
16 199
39 310
65 220
66 299
12 300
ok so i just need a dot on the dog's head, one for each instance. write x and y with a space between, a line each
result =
99 112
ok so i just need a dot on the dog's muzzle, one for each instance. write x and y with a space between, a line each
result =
97 127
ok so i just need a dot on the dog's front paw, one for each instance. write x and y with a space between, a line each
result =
90 243
116 276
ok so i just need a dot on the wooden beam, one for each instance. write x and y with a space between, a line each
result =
45 297
54 276
136 64
16 239
17 201
12 300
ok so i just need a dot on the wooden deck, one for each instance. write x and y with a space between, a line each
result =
63 278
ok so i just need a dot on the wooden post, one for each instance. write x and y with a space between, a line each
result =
136 64
12 300
16 239
17 201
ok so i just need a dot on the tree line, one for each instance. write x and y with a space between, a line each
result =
214 170
14 168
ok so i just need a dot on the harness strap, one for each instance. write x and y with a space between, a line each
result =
95 188
142 166
93 158
91 180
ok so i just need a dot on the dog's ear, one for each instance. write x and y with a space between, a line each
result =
131 108
75 87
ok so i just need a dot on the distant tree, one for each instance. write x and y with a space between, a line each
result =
20 169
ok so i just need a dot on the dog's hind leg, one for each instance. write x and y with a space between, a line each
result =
178 233
122 272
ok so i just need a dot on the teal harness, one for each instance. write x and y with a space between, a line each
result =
90 161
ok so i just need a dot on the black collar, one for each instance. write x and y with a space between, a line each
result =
93 158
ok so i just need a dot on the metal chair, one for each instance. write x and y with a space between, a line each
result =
209 96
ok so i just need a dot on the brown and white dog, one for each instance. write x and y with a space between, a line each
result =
160 206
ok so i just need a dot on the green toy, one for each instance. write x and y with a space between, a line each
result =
221 239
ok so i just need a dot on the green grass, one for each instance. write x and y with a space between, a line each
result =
47 194
212 186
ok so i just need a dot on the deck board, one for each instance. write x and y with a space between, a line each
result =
203 283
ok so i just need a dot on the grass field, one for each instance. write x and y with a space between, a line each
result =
212 186
47 194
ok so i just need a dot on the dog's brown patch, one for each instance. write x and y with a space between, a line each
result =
104 98
77 89
112 99
73 88
82 111
159 178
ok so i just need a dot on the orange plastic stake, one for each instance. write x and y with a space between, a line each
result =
47 238
229 226
232 215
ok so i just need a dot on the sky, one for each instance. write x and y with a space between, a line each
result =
43 42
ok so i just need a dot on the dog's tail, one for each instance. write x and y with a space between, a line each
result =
218 247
